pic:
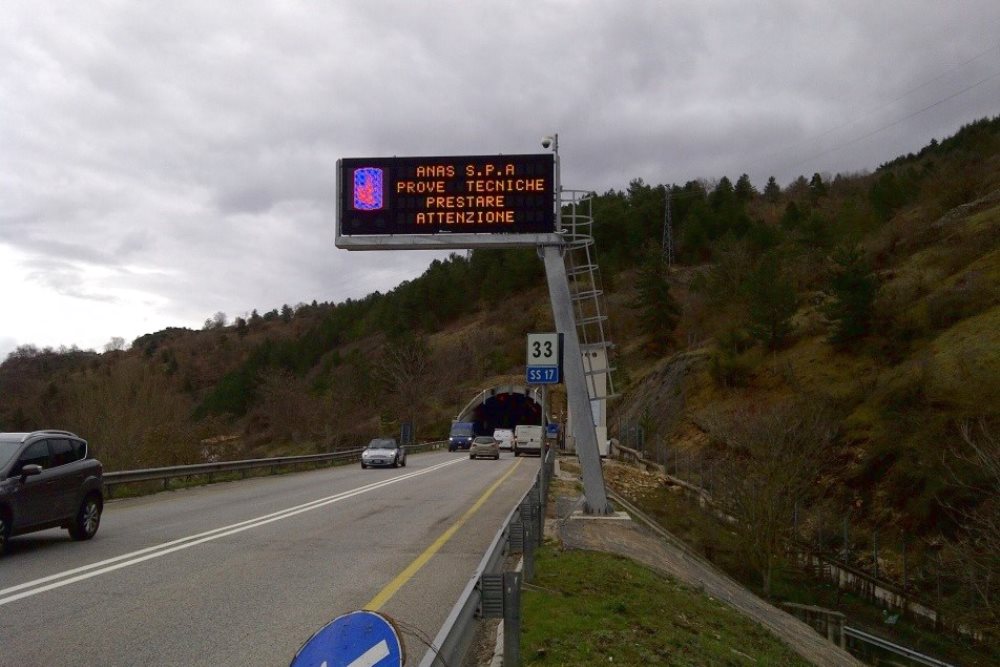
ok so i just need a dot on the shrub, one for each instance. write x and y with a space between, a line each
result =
967 298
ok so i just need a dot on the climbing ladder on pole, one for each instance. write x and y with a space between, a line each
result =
590 310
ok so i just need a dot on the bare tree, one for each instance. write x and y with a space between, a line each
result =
217 321
116 344
477 347
132 416
773 457
287 409
403 369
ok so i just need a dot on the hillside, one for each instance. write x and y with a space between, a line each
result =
858 314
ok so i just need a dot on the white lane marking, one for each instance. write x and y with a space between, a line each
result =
125 560
84 568
371 657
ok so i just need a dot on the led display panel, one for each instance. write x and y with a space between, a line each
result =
453 201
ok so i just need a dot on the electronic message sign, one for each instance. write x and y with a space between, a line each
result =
446 202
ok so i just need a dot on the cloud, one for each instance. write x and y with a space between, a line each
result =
178 162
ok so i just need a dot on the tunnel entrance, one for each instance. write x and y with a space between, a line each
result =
502 407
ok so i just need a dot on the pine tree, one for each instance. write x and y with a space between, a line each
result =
771 301
853 288
817 188
723 196
659 311
772 191
744 189
791 217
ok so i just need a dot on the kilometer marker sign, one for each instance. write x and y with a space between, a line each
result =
544 358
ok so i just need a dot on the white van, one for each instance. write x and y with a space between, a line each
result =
528 439
505 437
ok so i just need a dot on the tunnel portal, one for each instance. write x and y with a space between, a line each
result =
502 407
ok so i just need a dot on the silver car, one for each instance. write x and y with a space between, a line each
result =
485 446
383 452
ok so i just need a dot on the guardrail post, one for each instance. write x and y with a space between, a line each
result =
543 478
512 619
539 509
529 550
515 536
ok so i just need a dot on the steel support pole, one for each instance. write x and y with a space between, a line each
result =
543 483
596 499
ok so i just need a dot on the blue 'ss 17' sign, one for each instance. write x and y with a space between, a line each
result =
543 375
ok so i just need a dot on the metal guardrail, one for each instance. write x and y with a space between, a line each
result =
113 479
453 640
853 634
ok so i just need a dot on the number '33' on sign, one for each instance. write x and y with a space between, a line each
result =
543 348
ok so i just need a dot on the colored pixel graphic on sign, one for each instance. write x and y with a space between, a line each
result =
368 191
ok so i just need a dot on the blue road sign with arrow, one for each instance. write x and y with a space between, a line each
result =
359 639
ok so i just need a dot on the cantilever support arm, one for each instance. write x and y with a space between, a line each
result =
576 383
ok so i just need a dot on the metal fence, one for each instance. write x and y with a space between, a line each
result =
874 649
210 470
882 565
855 640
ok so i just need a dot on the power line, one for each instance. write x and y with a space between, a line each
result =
902 95
895 122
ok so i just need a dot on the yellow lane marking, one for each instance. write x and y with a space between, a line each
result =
386 593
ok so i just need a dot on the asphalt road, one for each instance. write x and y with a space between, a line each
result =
242 573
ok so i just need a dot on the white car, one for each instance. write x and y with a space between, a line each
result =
528 439
383 452
505 437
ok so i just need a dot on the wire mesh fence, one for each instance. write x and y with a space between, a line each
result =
930 579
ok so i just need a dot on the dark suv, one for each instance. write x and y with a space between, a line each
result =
47 480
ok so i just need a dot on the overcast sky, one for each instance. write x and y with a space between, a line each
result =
160 162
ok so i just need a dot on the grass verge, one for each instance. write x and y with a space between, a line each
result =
590 608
